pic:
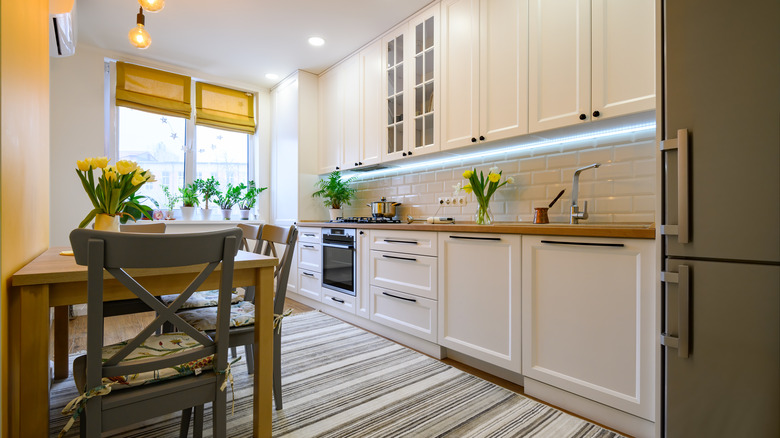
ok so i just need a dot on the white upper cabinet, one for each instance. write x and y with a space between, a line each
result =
339 115
484 74
589 60
371 108
410 85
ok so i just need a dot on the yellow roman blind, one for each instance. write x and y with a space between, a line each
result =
153 90
224 108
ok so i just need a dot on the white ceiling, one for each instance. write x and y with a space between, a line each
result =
242 40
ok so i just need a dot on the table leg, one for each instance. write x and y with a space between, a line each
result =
61 318
263 378
33 368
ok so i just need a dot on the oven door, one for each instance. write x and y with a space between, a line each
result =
338 267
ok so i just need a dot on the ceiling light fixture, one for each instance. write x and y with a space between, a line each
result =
271 76
138 36
152 5
316 41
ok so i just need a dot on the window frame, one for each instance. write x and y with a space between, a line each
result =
111 143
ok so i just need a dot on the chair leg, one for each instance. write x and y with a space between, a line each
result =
184 430
249 352
277 371
219 414
198 425
233 352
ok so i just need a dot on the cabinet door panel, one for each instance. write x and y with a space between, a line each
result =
408 273
371 109
588 319
309 284
310 256
623 57
408 313
503 68
330 135
559 63
349 79
479 302
460 72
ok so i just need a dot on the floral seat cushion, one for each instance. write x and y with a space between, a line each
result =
241 314
156 346
206 298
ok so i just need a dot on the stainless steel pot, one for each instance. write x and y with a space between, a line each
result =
383 208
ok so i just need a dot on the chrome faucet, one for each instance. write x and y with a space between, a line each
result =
576 214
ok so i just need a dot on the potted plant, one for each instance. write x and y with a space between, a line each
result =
247 202
228 199
208 188
189 199
335 191
170 201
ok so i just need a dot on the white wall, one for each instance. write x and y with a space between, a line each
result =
78 131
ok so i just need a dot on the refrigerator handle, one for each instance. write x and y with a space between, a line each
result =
682 341
681 145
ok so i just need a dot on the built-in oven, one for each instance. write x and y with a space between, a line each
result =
338 260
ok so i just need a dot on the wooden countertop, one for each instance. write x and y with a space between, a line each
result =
638 230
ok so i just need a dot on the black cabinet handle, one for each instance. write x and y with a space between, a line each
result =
337 300
309 235
361 232
360 163
473 139
308 274
337 168
596 113
410 153
583 117
408 259
482 137
399 298
403 154
356 164
308 246
494 239
563 242
411 242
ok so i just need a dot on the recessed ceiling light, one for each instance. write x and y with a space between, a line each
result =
316 41
271 76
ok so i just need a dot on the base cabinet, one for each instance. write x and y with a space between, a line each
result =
588 318
479 301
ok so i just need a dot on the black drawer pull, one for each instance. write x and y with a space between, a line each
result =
337 300
410 259
412 242
309 235
400 298
561 242
308 274
495 239
308 246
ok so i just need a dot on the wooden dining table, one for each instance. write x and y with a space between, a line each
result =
53 280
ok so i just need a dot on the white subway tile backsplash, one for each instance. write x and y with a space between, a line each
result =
621 190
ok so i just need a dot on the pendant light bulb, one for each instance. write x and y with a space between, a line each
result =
138 36
152 5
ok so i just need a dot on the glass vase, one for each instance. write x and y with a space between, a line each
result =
484 216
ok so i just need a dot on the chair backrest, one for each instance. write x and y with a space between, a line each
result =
115 252
271 236
251 232
153 227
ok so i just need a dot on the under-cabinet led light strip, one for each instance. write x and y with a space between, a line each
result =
633 129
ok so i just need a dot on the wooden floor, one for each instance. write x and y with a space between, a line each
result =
119 328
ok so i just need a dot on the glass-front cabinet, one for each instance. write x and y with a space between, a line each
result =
411 74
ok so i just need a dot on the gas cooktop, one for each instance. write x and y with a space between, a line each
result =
368 220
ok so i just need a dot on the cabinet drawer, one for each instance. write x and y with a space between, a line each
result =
310 234
309 284
414 274
310 256
338 300
404 312
410 242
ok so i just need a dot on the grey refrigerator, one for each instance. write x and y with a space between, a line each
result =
719 114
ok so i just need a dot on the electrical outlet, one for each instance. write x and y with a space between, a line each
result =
460 200
448 201
441 201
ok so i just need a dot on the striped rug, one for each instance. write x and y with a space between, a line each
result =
341 381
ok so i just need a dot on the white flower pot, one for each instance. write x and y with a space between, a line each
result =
226 213
245 214
187 213
335 213
205 213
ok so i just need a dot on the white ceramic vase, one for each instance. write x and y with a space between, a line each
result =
245 214
205 213
187 213
226 213
335 213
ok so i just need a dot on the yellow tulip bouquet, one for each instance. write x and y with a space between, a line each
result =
483 189
115 191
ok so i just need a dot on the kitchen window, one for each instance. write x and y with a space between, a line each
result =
177 141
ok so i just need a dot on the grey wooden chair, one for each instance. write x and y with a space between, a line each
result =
118 369
244 335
